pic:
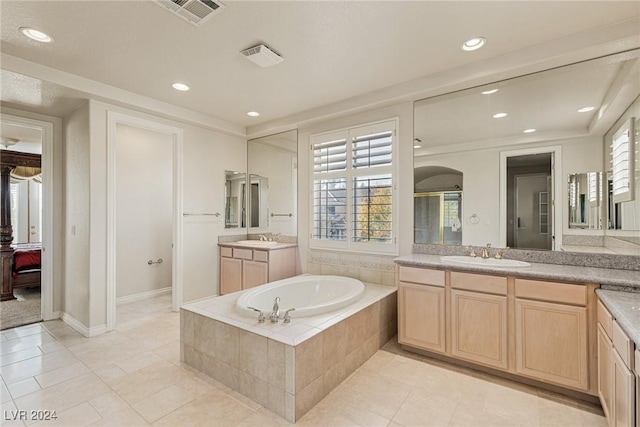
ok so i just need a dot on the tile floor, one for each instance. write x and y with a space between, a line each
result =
133 377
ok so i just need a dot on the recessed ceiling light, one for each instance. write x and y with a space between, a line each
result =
489 92
473 44
417 146
36 35
585 109
180 86
499 115
531 130
253 114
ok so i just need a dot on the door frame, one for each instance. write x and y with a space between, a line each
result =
114 119
556 176
46 278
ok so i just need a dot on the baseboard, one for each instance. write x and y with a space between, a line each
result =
143 295
82 329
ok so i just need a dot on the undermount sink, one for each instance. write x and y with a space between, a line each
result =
487 262
257 243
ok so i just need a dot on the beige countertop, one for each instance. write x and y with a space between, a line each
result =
262 248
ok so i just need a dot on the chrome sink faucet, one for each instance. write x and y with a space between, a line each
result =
275 314
263 238
485 251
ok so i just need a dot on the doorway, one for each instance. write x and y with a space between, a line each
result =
144 209
529 182
31 212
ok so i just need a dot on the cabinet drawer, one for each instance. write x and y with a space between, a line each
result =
226 252
604 318
479 283
422 275
549 291
261 256
243 253
623 345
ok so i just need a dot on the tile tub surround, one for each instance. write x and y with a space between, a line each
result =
625 308
287 368
628 279
367 268
599 261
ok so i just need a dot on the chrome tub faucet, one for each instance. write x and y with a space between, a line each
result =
275 314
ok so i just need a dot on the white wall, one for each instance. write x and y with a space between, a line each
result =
77 236
144 214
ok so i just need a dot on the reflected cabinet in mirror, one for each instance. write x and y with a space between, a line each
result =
273 177
529 153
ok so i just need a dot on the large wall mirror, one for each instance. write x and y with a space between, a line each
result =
235 188
536 156
272 185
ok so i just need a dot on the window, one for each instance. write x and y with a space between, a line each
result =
352 204
15 211
622 163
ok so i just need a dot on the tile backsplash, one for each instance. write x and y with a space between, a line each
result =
379 269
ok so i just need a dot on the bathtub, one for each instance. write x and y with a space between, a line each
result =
310 295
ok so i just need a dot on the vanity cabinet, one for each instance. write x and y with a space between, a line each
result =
617 383
479 319
243 268
536 329
551 334
421 301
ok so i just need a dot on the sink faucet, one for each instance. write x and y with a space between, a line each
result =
485 251
275 314
263 238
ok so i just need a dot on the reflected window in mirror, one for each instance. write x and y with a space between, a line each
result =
585 200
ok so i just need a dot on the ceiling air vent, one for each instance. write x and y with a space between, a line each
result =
262 55
194 11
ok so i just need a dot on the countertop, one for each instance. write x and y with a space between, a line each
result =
262 248
625 308
625 279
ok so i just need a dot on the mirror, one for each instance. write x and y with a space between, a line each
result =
234 190
475 131
273 171
585 200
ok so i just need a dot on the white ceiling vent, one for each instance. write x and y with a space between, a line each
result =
262 55
194 11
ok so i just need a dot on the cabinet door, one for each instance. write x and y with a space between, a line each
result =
230 275
551 343
254 273
623 393
604 371
479 328
421 316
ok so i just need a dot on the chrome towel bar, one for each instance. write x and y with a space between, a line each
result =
201 214
159 261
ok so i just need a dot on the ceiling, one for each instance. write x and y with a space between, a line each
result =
333 51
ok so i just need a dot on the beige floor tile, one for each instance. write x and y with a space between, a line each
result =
108 404
66 395
337 413
123 418
5 396
36 365
59 375
169 352
143 383
11 416
138 362
80 415
162 403
110 373
422 409
19 356
214 407
52 347
23 387
11 346
24 331
263 418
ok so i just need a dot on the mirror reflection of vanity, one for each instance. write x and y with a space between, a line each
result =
464 131
272 197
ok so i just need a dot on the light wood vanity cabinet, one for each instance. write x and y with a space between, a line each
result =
550 334
530 328
421 300
479 319
243 268
617 383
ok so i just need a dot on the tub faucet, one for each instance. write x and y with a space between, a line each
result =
275 314
263 238
485 251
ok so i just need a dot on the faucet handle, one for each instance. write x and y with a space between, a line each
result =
501 252
287 317
472 253
261 316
